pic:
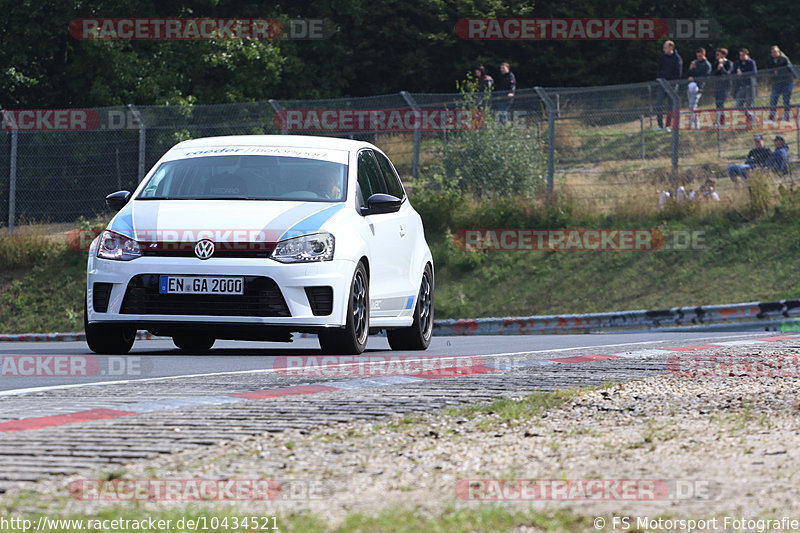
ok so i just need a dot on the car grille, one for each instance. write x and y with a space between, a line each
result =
100 295
261 297
321 300
223 249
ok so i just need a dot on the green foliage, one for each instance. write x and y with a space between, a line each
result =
758 186
438 205
490 160
493 161
379 48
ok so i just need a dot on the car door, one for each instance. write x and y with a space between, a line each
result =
409 230
384 241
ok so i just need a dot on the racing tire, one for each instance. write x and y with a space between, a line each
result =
352 339
418 335
111 339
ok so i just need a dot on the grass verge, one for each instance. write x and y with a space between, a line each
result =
392 520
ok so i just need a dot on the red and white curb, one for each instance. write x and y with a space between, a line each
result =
487 366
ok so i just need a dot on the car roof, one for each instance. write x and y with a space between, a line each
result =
294 141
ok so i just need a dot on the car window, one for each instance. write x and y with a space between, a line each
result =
390 176
370 177
248 177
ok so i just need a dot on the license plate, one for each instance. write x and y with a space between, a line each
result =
200 285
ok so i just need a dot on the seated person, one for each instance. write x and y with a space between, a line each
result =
756 158
707 191
328 184
779 159
680 196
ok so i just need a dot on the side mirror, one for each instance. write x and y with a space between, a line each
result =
117 200
381 203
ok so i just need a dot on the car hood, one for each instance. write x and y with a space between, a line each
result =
221 220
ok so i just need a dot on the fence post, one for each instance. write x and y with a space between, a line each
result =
676 107
641 134
796 71
417 133
12 181
551 136
142 140
277 108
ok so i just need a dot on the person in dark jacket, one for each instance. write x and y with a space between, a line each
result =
745 86
699 70
779 160
756 158
721 69
485 82
504 92
782 82
670 67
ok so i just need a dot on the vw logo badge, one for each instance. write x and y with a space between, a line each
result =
204 249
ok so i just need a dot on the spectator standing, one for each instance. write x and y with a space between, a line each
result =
699 70
722 68
782 83
756 158
505 89
670 67
485 82
745 69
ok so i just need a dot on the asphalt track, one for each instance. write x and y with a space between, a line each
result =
114 410
160 359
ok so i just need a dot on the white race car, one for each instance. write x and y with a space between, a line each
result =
257 237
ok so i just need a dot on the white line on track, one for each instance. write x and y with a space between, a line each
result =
17 392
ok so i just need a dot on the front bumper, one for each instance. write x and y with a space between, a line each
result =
291 281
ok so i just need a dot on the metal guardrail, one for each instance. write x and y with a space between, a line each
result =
746 315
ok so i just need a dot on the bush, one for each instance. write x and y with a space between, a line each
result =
491 161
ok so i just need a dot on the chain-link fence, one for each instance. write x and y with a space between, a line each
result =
597 143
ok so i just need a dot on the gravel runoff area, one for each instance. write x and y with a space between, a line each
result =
718 446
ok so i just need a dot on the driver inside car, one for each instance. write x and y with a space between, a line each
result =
329 184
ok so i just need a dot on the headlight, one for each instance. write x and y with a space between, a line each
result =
317 247
119 247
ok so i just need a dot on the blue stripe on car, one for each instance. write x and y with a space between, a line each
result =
410 302
278 225
145 220
123 222
311 224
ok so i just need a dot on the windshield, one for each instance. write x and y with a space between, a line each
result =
247 177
